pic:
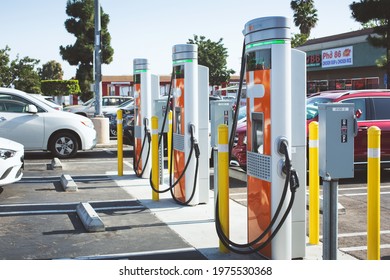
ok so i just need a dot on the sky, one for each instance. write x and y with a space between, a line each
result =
150 28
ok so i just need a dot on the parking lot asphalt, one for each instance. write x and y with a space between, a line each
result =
40 221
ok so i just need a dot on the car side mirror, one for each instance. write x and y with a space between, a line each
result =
30 108
358 113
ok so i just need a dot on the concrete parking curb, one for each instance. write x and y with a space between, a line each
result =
56 164
67 183
89 217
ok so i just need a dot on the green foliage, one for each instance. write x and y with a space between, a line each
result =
305 15
60 87
298 40
368 12
213 55
81 24
52 70
19 73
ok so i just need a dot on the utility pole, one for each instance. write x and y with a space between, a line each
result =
101 123
97 62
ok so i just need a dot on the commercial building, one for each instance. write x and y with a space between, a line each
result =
343 61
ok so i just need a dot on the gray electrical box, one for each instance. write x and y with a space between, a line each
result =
160 107
221 112
337 126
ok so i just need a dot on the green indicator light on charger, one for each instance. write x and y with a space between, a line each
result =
182 61
272 42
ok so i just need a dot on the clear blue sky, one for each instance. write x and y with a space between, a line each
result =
149 28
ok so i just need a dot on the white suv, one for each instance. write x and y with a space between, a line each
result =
37 126
88 108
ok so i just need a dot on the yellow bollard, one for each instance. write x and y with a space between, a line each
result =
223 182
155 159
314 185
169 140
119 134
373 193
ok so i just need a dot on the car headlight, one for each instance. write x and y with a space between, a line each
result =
6 153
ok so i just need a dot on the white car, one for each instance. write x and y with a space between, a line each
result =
48 100
11 161
88 108
37 126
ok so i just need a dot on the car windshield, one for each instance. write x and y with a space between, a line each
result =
87 103
126 104
312 106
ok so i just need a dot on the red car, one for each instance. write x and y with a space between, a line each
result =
372 107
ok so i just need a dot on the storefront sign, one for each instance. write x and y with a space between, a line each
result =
337 57
313 60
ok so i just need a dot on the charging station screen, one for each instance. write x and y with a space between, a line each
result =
179 71
257 133
137 79
259 60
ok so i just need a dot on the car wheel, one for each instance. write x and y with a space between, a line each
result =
63 145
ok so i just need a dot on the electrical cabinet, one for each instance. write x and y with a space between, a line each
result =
337 126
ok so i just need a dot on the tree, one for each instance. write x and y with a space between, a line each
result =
367 11
305 17
81 24
213 55
51 70
19 73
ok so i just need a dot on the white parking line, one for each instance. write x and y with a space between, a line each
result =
360 194
362 248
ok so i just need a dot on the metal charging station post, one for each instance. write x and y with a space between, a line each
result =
268 79
337 128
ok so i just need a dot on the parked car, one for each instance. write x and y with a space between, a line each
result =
371 107
88 108
11 161
38 126
127 114
48 100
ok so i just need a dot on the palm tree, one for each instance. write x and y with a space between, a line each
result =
305 15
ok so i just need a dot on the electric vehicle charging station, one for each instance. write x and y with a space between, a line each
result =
142 116
190 84
268 79
337 129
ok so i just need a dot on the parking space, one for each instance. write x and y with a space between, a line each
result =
40 219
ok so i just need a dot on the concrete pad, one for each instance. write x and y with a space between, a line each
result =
67 183
89 218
